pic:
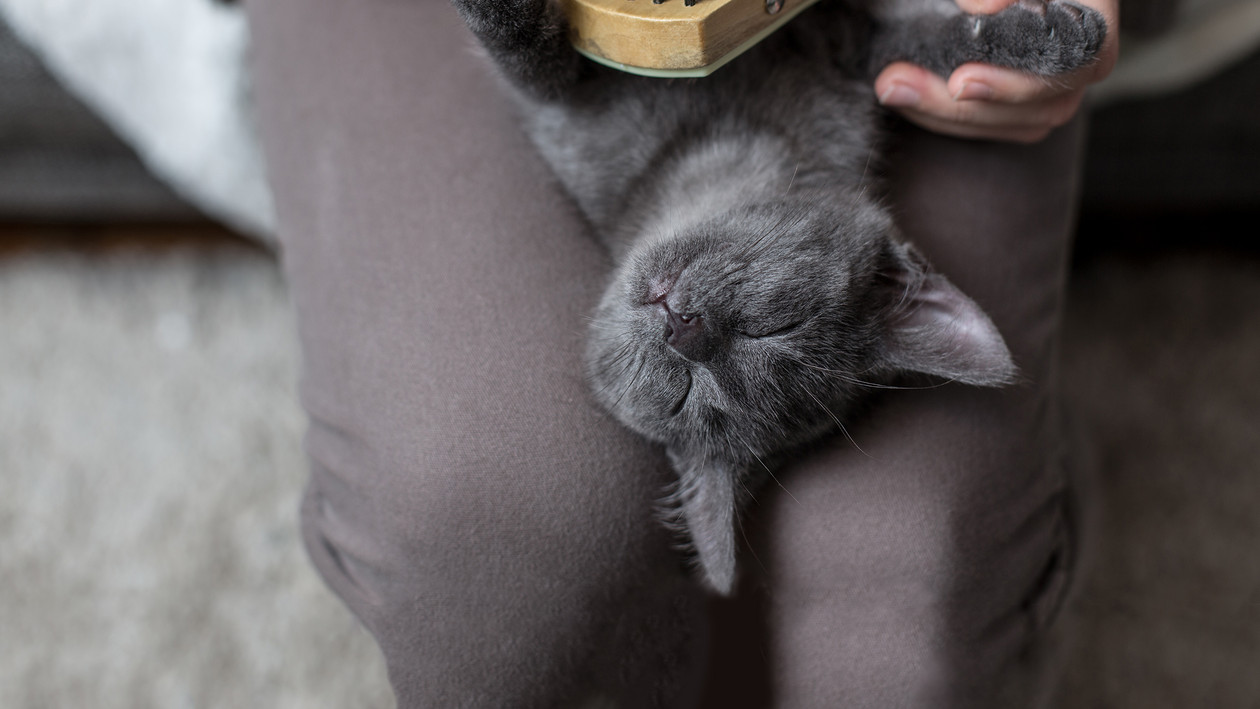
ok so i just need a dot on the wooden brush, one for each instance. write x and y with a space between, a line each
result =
673 38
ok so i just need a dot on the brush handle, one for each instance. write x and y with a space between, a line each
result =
673 38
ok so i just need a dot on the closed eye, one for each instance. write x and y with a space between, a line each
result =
771 333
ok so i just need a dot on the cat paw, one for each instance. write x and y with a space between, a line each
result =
1042 37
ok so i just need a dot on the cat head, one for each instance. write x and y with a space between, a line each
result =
749 332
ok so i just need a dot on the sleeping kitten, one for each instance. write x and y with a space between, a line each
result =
759 287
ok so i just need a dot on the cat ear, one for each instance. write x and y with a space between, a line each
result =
932 327
706 505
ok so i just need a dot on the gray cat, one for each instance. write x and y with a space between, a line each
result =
759 287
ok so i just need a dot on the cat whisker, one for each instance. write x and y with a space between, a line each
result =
625 345
728 278
620 356
835 418
624 360
599 392
749 249
606 327
630 384
862 180
863 383
601 326
752 249
794 171
744 485
773 477
876 385
748 544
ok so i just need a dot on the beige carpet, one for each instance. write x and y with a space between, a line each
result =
150 464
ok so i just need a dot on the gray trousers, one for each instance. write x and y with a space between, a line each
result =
494 530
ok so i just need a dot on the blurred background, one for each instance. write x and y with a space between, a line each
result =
150 454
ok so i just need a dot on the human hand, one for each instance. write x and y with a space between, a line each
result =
988 102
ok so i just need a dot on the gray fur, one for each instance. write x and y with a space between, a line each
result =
759 286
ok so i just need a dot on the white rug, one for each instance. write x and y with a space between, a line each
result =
150 466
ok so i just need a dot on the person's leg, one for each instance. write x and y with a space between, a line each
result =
491 528
919 570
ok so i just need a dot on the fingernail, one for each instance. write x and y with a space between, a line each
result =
974 91
900 96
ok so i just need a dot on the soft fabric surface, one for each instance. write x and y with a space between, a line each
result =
150 468
150 464
168 76
1163 380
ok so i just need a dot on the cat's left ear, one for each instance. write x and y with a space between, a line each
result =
933 328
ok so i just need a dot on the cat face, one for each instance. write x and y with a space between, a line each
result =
746 332
751 331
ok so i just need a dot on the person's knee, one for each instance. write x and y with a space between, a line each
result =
484 509
925 563
495 564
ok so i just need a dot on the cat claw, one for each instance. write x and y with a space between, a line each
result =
1077 13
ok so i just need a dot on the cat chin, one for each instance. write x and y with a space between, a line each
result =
657 409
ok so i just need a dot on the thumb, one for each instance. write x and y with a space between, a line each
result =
983 7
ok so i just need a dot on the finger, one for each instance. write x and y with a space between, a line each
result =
1023 131
984 82
999 120
1007 134
983 7
910 89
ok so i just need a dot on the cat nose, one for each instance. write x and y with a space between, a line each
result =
690 336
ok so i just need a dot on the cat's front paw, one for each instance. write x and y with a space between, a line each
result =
1041 37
